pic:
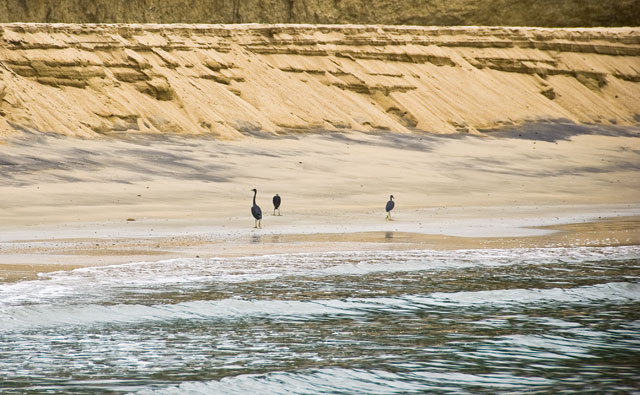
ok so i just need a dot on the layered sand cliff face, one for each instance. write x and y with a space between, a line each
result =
90 80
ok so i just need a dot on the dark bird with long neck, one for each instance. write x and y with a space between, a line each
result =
389 207
256 211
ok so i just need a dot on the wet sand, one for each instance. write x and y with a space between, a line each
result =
45 255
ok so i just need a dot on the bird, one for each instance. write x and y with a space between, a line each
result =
255 210
390 205
276 204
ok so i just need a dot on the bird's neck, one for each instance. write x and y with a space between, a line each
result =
254 197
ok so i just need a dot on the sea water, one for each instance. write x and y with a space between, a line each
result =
562 320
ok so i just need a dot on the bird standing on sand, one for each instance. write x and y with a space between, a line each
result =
276 204
255 210
390 205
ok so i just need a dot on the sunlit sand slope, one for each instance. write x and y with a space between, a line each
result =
226 80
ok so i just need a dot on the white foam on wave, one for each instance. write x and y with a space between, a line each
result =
108 283
37 316
609 292
460 259
340 380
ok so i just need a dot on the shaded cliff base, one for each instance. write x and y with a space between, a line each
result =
29 157
560 129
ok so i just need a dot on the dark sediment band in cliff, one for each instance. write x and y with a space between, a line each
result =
549 13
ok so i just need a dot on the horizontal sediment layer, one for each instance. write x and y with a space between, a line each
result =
229 80
556 13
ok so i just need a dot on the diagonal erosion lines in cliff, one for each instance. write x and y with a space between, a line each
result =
227 80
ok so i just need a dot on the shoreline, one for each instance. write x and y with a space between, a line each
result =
24 259
68 202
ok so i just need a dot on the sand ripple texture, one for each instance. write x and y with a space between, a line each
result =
463 321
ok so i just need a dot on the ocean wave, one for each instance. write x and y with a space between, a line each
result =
36 316
109 283
352 381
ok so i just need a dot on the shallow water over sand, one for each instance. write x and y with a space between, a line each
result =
464 321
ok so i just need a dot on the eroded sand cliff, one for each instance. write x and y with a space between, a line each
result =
226 80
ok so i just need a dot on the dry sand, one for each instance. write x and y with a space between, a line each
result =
69 202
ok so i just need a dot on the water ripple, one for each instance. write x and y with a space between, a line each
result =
468 321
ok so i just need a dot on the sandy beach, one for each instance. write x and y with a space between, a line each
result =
129 153
71 202
123 143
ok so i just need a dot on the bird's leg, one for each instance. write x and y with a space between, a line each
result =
255 225
260 224
279 212
274 211
388 217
